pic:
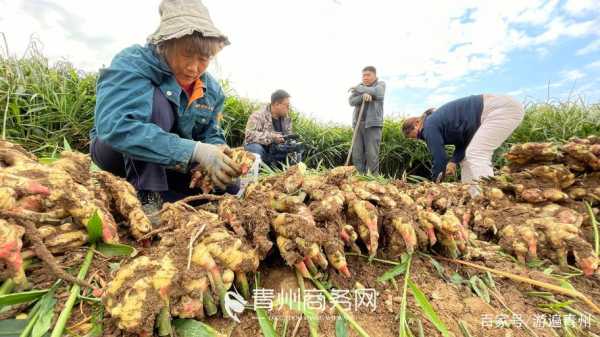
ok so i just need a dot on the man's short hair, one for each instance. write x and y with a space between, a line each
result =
371 69
279 96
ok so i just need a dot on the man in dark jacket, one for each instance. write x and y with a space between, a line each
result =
365 152
476 126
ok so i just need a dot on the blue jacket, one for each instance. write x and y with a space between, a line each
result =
124 98
453 123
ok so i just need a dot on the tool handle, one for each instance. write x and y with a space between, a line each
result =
362 107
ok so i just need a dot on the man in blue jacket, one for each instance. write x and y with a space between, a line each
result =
158 110
476 126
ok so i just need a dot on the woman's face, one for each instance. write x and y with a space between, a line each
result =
414 133
186 66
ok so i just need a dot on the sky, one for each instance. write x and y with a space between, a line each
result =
428 52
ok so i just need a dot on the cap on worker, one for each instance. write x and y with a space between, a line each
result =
184 17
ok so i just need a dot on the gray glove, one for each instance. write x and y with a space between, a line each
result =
213 159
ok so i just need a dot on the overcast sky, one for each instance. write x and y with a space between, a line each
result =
428 52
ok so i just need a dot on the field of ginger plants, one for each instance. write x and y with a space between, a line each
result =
314 250
304 252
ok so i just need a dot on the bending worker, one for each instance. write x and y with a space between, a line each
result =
158 110
476 125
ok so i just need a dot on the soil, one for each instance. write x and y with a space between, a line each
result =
452 289
453 303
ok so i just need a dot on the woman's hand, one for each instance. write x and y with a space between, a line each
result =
214 160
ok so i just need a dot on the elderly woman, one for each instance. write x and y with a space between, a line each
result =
476 125
158 110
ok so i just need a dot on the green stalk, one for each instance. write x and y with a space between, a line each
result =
346 315
36 312
64 316
242 284
217 281
300 280
550 297
373 259
464 329
33 317
163 322
9 285
209 305
420 328
5 115
407 329
285 328
311 267
402 324
595 226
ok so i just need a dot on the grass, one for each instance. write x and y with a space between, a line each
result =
65 314
41 104
347 317
551 287
402 324
595 228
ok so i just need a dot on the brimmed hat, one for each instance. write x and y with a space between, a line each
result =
184 17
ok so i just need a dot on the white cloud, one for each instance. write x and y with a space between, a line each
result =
517 92
87 33
542 52
570 84
561 27
441 95
578 7
314 49
537 14
572 75
590 48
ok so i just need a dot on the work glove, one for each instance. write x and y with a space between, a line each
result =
367 97
213 159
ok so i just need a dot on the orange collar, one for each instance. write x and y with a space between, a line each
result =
197 91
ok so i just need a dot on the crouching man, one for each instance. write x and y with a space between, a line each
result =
268 128
157 109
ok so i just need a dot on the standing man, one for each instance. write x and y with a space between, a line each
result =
365 153
268 126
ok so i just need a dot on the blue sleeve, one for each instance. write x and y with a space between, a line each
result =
459 154
435 143
122 119
213 134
